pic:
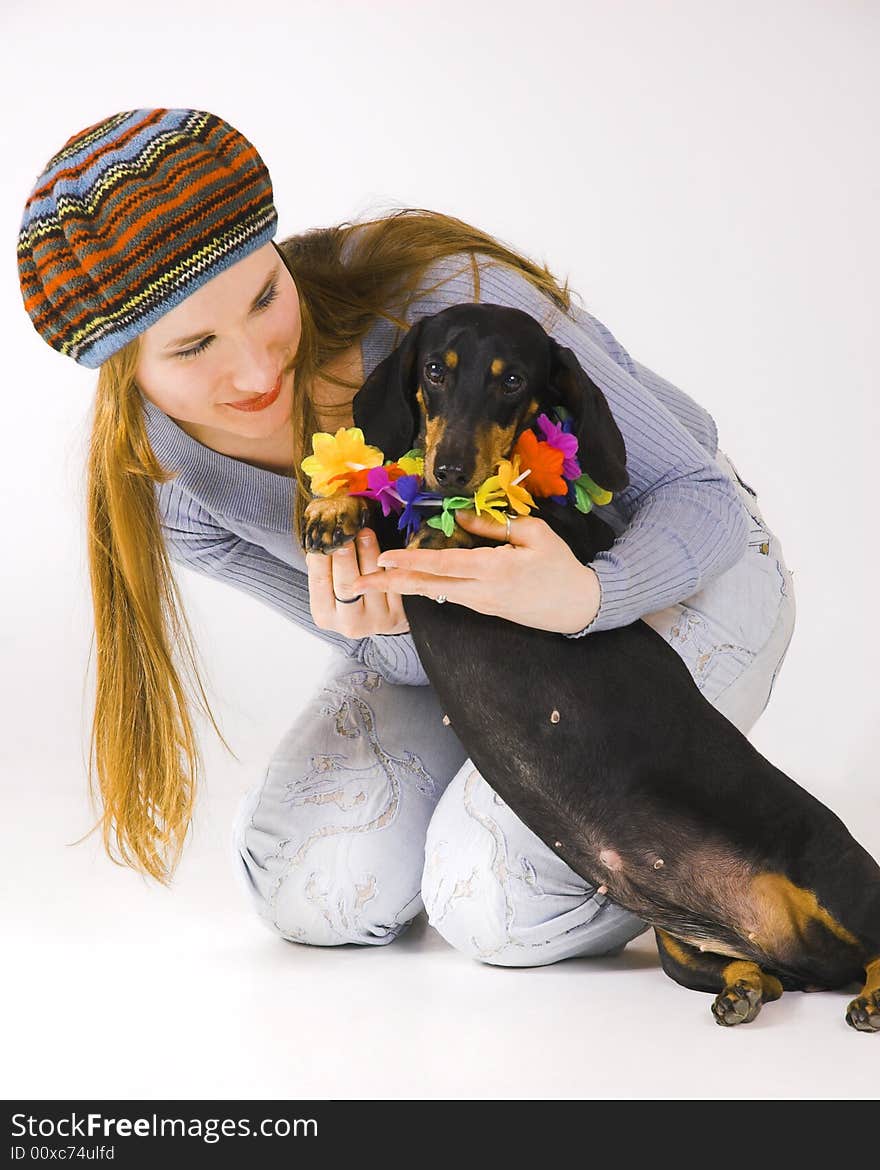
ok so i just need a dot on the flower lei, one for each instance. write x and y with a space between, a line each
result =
344 465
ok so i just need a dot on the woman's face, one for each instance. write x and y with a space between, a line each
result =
223 349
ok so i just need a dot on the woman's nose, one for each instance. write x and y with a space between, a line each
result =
254 371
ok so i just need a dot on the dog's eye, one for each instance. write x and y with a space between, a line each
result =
512 381
434 371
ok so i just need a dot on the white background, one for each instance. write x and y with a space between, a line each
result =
705 174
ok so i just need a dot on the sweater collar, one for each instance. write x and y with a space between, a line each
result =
224 485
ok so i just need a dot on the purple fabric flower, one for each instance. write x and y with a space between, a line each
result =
564 441
408 488
384 489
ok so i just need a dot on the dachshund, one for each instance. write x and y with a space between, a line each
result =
603 745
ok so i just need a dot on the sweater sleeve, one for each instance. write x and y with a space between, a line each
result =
684 522
194 539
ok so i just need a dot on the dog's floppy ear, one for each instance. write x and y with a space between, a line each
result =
601 451
385 407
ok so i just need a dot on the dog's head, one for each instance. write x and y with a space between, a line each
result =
466 382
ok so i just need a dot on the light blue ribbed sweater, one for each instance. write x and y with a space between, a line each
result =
678 524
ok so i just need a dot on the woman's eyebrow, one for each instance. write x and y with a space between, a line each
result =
204 333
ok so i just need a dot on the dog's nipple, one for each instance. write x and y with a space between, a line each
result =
611 859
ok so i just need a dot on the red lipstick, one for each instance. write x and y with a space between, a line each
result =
261 402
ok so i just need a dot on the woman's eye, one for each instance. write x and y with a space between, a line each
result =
188 353
434 371
263 303
268 297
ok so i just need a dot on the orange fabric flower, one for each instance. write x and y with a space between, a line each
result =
545 465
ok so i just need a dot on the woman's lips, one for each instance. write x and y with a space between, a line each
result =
260 403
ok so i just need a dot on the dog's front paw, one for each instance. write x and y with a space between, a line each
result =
332 523
863 1013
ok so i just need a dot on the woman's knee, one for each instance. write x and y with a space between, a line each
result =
330 845
494 891
324 888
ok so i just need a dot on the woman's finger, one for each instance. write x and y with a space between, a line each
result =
446 562
376 605
475 564
321 600
344 568
384 610
332 578
396 582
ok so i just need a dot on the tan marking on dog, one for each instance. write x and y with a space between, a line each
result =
435 429
766 910
784 911
331 507
872 982
742 972
434 538
752 975
676 950
497 366
492 444
451 358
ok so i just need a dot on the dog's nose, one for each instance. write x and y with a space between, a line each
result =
451 475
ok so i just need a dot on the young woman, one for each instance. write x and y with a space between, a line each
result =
147 252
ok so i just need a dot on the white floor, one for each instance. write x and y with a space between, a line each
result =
118 989
716 209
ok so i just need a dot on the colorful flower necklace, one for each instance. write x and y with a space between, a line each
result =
344 465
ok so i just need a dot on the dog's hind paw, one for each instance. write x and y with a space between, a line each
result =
737 1004
863 1013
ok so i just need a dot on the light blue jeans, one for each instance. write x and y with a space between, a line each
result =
370 810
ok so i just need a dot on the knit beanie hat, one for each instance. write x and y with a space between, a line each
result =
129 218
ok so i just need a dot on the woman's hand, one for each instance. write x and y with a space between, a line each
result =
534 579
378 613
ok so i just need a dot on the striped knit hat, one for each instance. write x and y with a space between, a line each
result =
129 218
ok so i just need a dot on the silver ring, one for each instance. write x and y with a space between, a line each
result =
440 599
508 518
348 601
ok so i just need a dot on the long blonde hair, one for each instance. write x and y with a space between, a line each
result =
144 761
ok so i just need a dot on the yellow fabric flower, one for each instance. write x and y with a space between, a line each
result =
411 466
338 455
500 488
487 496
